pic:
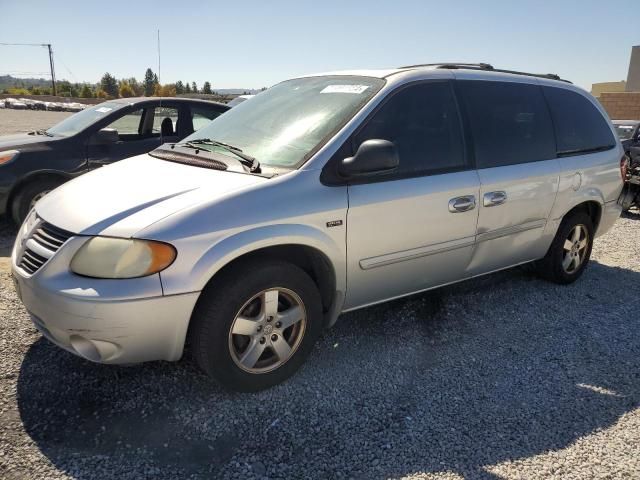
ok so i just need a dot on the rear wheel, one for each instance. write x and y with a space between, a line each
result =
29 195
255 325
570 251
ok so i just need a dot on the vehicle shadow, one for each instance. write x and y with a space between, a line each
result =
495 369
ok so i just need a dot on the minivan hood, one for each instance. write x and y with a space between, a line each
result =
123 198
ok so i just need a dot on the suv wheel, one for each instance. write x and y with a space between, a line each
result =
28 195
570 251
254 326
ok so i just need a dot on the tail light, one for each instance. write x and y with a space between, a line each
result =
624 167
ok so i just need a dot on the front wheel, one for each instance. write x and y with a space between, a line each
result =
570 251
29 195
255 325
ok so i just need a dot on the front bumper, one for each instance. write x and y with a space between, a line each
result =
106 321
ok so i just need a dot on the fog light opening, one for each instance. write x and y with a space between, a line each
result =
85 348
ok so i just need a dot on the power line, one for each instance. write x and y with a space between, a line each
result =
20 72
25 44
67 68
48 45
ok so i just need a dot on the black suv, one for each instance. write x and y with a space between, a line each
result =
629 133
35 163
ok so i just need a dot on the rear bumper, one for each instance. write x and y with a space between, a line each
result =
610 213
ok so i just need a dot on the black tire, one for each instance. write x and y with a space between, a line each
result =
221 301
21 203
550 267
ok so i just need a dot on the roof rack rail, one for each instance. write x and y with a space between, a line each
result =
488 67
484 66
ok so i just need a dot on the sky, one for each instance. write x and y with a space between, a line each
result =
254 44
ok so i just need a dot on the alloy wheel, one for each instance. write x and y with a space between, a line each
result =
575 248
267 330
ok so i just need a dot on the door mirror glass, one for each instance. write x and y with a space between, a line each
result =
105 136
373 157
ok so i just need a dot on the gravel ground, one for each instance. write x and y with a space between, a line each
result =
22 121
506 376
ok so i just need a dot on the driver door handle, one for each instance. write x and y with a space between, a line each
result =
492 199
462 204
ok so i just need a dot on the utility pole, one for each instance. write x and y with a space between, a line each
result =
53 72
48 45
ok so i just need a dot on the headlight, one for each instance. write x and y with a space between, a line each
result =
7 156
104 257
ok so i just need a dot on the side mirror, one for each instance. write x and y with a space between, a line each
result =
373 157
105 136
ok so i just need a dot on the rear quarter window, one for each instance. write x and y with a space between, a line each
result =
579 125
510 122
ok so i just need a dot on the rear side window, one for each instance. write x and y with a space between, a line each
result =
422 121
202 116
580 127
510 122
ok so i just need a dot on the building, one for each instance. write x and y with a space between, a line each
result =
633 77
621 99
598 89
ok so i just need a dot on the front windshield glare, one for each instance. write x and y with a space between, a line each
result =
81 120
283 125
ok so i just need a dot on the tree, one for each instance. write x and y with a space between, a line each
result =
168 90
149 82
135 86
194 87
179 87
101 93
206 88
85 91
126 90
187 88
109 85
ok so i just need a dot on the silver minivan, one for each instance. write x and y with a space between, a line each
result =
321 195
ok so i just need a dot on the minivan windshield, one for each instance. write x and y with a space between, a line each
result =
624 131
81 120
283 125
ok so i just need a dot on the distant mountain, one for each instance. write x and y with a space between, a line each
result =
7 81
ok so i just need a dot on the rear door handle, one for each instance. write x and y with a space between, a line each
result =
462 204
493 199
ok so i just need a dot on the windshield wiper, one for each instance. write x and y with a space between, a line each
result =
43 132
246 160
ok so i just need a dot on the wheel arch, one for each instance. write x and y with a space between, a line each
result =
306 247
591 207
34 177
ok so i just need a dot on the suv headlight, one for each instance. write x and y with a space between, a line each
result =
105 257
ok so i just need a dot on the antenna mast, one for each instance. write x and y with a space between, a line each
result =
159 57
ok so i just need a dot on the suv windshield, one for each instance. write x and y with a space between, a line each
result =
283 125
81 120
624 131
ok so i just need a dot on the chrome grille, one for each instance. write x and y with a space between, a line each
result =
40 245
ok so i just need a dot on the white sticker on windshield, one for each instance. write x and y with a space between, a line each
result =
103 109
344 89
